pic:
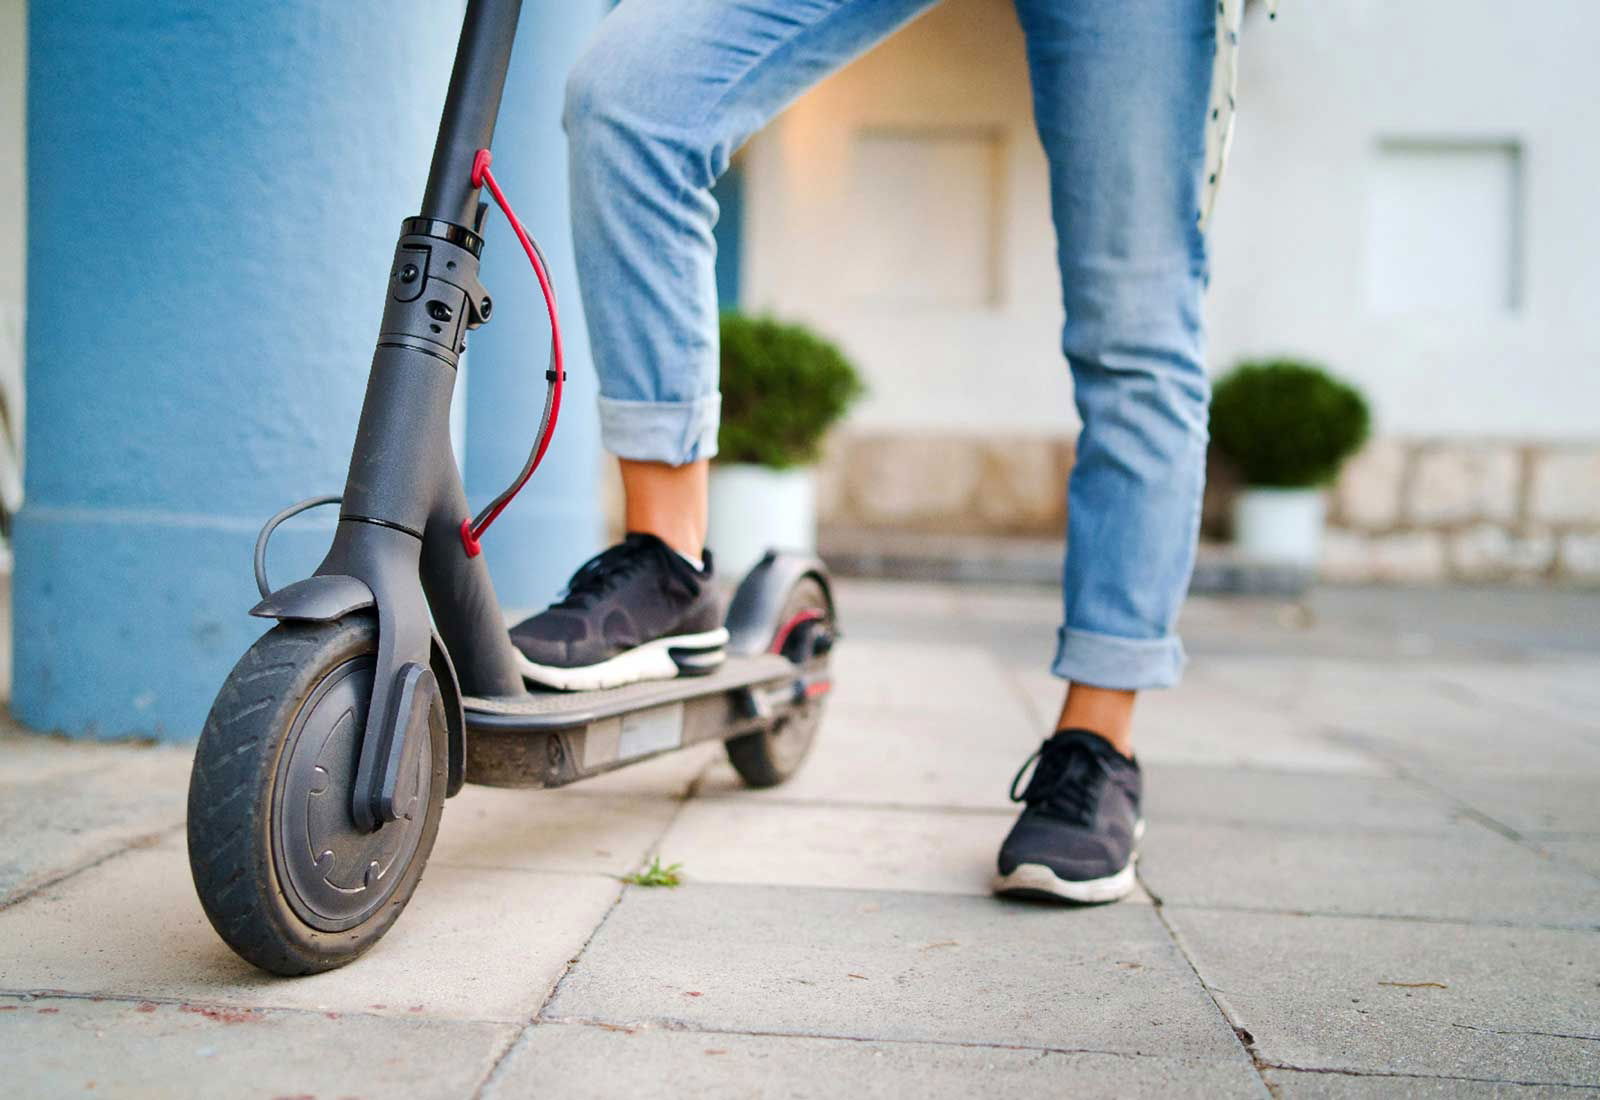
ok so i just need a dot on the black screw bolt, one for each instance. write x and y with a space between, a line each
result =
409 273
485 307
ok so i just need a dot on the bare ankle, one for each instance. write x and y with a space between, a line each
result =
1105 711
668 502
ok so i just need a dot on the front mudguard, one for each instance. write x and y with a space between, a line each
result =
327 597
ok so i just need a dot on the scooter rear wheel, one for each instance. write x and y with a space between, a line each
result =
283 873
805 633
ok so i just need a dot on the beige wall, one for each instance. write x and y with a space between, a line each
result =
901 207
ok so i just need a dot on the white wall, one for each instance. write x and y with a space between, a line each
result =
1471 123
1321 91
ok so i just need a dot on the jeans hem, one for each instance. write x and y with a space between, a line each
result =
673 432
1122 664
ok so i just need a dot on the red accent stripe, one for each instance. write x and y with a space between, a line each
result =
810 615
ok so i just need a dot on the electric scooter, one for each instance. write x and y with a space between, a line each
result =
389 679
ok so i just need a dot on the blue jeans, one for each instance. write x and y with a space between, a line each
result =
668 91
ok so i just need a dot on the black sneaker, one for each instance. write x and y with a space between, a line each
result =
638 611
1077 838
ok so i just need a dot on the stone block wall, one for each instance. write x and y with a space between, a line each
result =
1467 510
1404 510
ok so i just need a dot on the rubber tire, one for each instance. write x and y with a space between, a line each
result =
761 758
231 791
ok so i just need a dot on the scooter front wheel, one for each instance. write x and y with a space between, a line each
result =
283 873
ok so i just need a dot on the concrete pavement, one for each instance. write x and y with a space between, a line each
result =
1372 868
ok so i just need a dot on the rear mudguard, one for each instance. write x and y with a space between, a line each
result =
327 597
752 618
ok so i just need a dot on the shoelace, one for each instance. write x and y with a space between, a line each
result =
1067 782
602 573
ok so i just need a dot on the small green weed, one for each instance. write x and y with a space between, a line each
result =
656 875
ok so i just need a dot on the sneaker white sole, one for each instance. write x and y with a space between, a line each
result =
1035 880
651 661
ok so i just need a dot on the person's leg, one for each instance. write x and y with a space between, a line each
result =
655 107
1120 91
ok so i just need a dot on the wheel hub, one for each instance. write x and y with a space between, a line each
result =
333 874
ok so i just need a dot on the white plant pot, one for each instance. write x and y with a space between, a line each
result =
1279 525
756 508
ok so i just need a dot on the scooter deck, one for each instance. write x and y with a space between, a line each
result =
551 738
555 710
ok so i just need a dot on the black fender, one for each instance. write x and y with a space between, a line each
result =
320 599
753 615
326 598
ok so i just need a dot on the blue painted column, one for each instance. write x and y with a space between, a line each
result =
214 193
556 522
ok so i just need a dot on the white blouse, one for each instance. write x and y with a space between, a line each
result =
1224 81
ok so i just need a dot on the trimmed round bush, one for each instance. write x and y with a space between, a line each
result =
1287 424
783 387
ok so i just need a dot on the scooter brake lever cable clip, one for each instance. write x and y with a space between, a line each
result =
469 542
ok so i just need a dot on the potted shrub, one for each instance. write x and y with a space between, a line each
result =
783 387
1287 427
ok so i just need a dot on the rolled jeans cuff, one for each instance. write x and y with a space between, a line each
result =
673 432
1122 664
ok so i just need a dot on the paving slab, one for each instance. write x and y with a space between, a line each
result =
59 1047
956 679
1579 851
868 849
890 966
1386 996
70 816
1297 1085
472 944
1565 689
1553 802
899 756
1203 725
1180 794
550 830
1401 712
30 757
565 1060
1466 873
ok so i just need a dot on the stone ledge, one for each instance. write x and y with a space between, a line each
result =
1403 511
991 559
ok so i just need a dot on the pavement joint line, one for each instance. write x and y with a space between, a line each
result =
1465 693
1298 828
1407 773
1396 918
1241 1035
684 1027
143 841
1285 1067
528 1024
232 1006
651 850
1518 1031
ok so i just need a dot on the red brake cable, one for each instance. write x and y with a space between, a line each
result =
472 529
